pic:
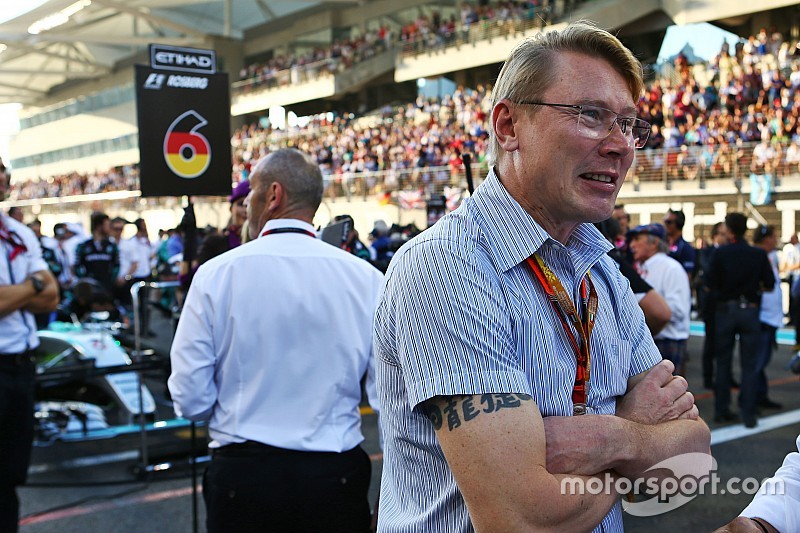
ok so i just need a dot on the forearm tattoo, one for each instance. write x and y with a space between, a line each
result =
456 410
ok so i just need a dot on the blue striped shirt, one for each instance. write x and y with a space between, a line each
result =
461 313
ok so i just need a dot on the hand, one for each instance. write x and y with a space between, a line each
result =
743 524
658 397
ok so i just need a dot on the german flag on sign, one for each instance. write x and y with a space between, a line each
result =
187 152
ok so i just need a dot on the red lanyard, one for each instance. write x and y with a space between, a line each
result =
562 303
17 246
288 230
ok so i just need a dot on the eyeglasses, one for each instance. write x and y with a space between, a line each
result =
597 123
669 221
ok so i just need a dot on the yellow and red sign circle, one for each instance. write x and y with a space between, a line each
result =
187 152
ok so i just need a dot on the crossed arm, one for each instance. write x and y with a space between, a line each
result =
23 296
509 463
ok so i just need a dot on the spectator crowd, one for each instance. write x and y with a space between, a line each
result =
424 31
735 116
705 116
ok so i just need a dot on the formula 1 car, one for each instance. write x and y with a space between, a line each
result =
84 386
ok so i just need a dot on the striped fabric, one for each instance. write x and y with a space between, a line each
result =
460 313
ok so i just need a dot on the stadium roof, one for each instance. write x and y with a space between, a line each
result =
65 40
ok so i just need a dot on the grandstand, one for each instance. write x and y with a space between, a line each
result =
339 79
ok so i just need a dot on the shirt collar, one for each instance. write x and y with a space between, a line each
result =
515 235
287 223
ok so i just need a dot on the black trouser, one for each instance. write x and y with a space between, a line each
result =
17 374
794 314
766 343
732 319
709 348
260 488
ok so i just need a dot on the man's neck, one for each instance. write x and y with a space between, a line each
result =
296 214
648 258
558 230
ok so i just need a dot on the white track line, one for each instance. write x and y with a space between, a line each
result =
738 431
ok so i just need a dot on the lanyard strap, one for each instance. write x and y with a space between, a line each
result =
288 230
10 237
565 310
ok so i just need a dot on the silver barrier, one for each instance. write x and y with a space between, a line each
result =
137 346
137 355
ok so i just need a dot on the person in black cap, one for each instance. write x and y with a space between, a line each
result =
352 243
739 273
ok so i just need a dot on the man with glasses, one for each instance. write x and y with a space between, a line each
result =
491 321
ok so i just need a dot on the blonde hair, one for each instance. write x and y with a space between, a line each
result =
528 71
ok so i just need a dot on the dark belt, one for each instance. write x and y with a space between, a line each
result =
741 303
15 360
249 448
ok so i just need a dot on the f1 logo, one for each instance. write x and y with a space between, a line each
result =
154 81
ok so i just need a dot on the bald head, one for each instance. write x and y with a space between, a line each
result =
284 184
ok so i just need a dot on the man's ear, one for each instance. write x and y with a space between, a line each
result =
504 124
275 196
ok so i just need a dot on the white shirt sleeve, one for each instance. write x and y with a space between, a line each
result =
678 294
194 391
125 260
370 384
778 499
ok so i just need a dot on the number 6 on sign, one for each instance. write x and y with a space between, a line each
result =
186 151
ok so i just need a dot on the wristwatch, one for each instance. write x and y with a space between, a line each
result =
38 283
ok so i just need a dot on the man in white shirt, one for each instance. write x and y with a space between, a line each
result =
74 235
138 253
66 278
273 342
790 268
776 506
668 278
26 287
770 315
